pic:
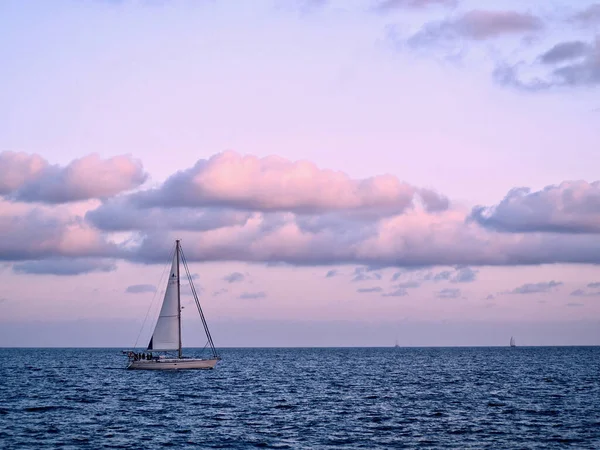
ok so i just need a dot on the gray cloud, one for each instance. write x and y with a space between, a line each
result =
589 16
408 285
252 295
536 288
584 293
583 70
390 5
234 277
574 305
140 289
571 207
219 292
396 293
64 267
464 275
594 285
449 293
490 297
30 178
121 214
331 273
476 25
364 274
369 290
564 51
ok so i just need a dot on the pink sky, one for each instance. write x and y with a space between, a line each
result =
401 165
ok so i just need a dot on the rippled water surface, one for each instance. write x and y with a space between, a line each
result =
305 398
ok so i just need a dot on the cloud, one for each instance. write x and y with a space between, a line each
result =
584 293
369 290
396 293
589 16
536 288
564 51
490 297
594 285
274 184
234 277
252 295
574 304
570 207
120 214
449 293
408 285
477 25
363 274
30 178
389 5
140 289
64 267
219 292
416 237
31 233
332 273
582 70
464 275
440 276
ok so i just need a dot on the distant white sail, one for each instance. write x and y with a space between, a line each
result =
166 332
512 342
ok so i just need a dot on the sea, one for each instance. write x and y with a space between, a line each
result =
305 398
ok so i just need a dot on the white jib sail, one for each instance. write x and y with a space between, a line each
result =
166 332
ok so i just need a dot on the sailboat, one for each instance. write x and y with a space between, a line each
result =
512 342
167 331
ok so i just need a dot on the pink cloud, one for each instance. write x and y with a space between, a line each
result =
30 178
277 184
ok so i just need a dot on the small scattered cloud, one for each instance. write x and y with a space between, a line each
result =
252 295
594 285
235 277
397 293
64 267
589 16
396 275
219 292
477 25
440 276
391 5
584 293
574 304
464 275
3 299
536 288
564 51
449 293
407 285
332 273
490 297
140 289
364 274
582 69
369 290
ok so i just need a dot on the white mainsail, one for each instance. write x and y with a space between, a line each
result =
166 333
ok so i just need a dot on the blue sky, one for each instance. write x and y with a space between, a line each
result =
379 142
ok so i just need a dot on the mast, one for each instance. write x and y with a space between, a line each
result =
178 296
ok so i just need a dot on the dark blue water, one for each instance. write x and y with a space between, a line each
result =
305 398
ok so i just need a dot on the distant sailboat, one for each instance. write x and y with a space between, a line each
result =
396 344
512 342
167 332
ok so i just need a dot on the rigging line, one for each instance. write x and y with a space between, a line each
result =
205 325
194 292
152 302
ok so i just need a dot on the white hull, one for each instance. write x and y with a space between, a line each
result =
173 364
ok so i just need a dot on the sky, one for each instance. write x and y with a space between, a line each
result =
340 173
